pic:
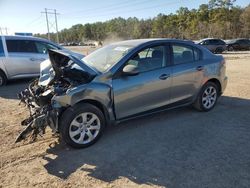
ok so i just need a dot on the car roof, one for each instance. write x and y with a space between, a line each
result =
24 37
210 39
17 37
137 42
241 39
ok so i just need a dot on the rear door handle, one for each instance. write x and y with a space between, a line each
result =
199 68
164 76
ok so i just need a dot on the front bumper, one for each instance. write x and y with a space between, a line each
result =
40 116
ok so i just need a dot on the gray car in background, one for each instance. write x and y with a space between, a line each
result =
119 82
20 56
238 44
214 45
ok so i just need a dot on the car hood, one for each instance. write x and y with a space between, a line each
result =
59 61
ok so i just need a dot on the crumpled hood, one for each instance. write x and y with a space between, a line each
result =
57 62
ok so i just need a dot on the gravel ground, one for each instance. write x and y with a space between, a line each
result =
177 148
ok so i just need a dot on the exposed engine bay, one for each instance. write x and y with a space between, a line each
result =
58 74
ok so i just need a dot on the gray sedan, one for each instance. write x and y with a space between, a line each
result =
121 81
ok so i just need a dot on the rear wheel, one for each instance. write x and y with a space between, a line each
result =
82 125
3 79
207 97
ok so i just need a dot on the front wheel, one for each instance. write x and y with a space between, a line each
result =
230 48
3 79
207 97
218 50
82 125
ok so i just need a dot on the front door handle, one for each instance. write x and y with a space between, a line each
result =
164 76
199 68
37 59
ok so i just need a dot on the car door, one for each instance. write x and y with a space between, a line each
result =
2 55
149 89
23 58
208 44
187 72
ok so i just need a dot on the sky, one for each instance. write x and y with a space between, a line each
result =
26 16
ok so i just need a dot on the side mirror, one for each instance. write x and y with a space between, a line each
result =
130 70
44 50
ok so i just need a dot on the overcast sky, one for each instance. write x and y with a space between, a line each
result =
26 16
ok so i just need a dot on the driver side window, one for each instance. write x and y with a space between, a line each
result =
148 59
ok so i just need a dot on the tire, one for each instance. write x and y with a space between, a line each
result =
230 48
81 125
3 79
218 51
206 102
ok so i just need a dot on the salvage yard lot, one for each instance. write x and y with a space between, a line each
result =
177 148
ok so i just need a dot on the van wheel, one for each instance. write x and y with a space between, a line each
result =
3 79
82 125
207 97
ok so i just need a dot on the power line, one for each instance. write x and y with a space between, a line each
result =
100 8
133 10
34 20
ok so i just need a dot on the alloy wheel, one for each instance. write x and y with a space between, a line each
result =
84 128
209 97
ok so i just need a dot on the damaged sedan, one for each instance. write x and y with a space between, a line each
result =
78 98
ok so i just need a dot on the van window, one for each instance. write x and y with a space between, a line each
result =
25 46
1 48
43 47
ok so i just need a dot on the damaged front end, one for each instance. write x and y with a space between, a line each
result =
42 112
58 74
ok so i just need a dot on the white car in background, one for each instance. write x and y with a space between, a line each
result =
20 56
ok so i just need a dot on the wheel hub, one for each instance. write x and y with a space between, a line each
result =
209 97
84 128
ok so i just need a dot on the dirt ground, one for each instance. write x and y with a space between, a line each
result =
177 148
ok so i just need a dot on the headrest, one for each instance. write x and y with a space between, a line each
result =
157 54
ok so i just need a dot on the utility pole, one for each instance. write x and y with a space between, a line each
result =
47 21
2 30
57 37
51 24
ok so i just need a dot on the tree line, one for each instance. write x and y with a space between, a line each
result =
217 19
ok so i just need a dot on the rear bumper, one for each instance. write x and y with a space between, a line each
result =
224 84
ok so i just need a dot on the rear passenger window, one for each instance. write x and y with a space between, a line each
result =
24 46
220 42
185 54
197 54
1 48
206 42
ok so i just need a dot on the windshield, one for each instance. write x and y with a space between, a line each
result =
104 58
